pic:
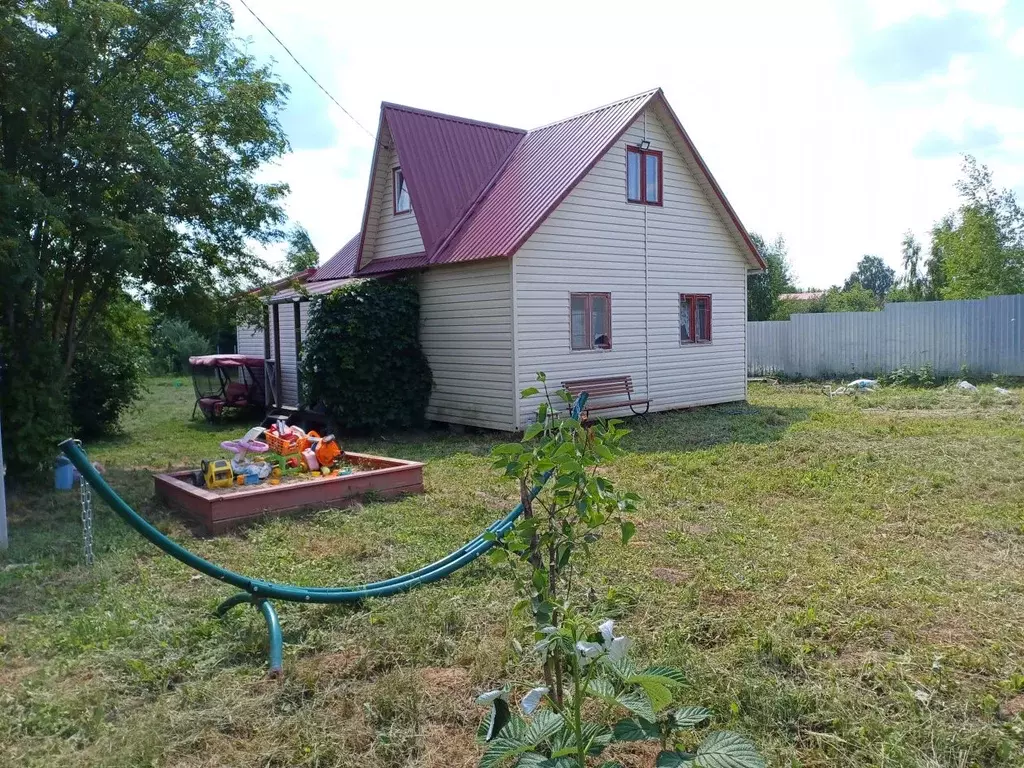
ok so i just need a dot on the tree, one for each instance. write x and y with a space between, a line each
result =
979 249
763 289
301 253
874 275
130 134
854 298
913 285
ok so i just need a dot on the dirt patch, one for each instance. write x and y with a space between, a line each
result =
633 755
342 664
443 747
672 576
1012 708
697 529
13 673
451 679
448 694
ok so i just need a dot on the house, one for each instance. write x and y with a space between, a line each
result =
598 245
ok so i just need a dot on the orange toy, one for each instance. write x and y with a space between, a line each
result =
327 450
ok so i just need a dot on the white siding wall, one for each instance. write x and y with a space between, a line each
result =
249 341
645 256
466 334
389 234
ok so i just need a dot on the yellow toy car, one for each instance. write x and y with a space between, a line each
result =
217 473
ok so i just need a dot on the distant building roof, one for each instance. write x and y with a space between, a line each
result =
805 296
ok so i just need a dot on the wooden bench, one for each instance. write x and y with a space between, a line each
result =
607 387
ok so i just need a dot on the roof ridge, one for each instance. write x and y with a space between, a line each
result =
641 94
384 105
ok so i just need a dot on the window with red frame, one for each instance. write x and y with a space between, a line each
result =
590 320
643 176
694 318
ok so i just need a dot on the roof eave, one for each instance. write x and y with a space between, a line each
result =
369 190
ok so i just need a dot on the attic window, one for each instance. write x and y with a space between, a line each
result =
643 176
402 202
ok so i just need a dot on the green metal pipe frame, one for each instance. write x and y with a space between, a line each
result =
258 592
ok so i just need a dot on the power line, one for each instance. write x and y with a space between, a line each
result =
308 73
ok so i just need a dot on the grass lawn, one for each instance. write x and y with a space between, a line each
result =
842 581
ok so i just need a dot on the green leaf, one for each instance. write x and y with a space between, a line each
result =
595 737
602 689
688 717
674 759
635 730
500 750
628 530
544 725
659 694
533 760
507 449
529 392
726 749
533 430
638 703
670 677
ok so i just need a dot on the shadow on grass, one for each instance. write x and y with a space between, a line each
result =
709 426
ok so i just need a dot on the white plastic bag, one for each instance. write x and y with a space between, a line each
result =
863 384
966 386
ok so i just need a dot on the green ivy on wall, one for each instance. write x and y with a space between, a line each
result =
362 359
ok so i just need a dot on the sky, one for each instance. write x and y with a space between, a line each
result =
837 124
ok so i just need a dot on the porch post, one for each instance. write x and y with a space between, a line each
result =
298 350
270 388
277 352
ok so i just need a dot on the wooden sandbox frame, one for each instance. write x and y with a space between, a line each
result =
218 512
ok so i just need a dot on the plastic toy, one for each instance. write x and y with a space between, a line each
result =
284 440
217 473
309 456
327 450
248 443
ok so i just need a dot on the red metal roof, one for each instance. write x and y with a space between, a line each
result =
542 170
341 264
394 264
447 162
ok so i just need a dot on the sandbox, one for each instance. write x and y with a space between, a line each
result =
218 509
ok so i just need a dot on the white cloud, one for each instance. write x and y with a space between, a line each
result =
1015 43
799 144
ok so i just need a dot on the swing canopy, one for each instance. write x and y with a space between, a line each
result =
227 381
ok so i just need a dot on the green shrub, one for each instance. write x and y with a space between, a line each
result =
110 367
174 342
34 403
362 359
911 377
